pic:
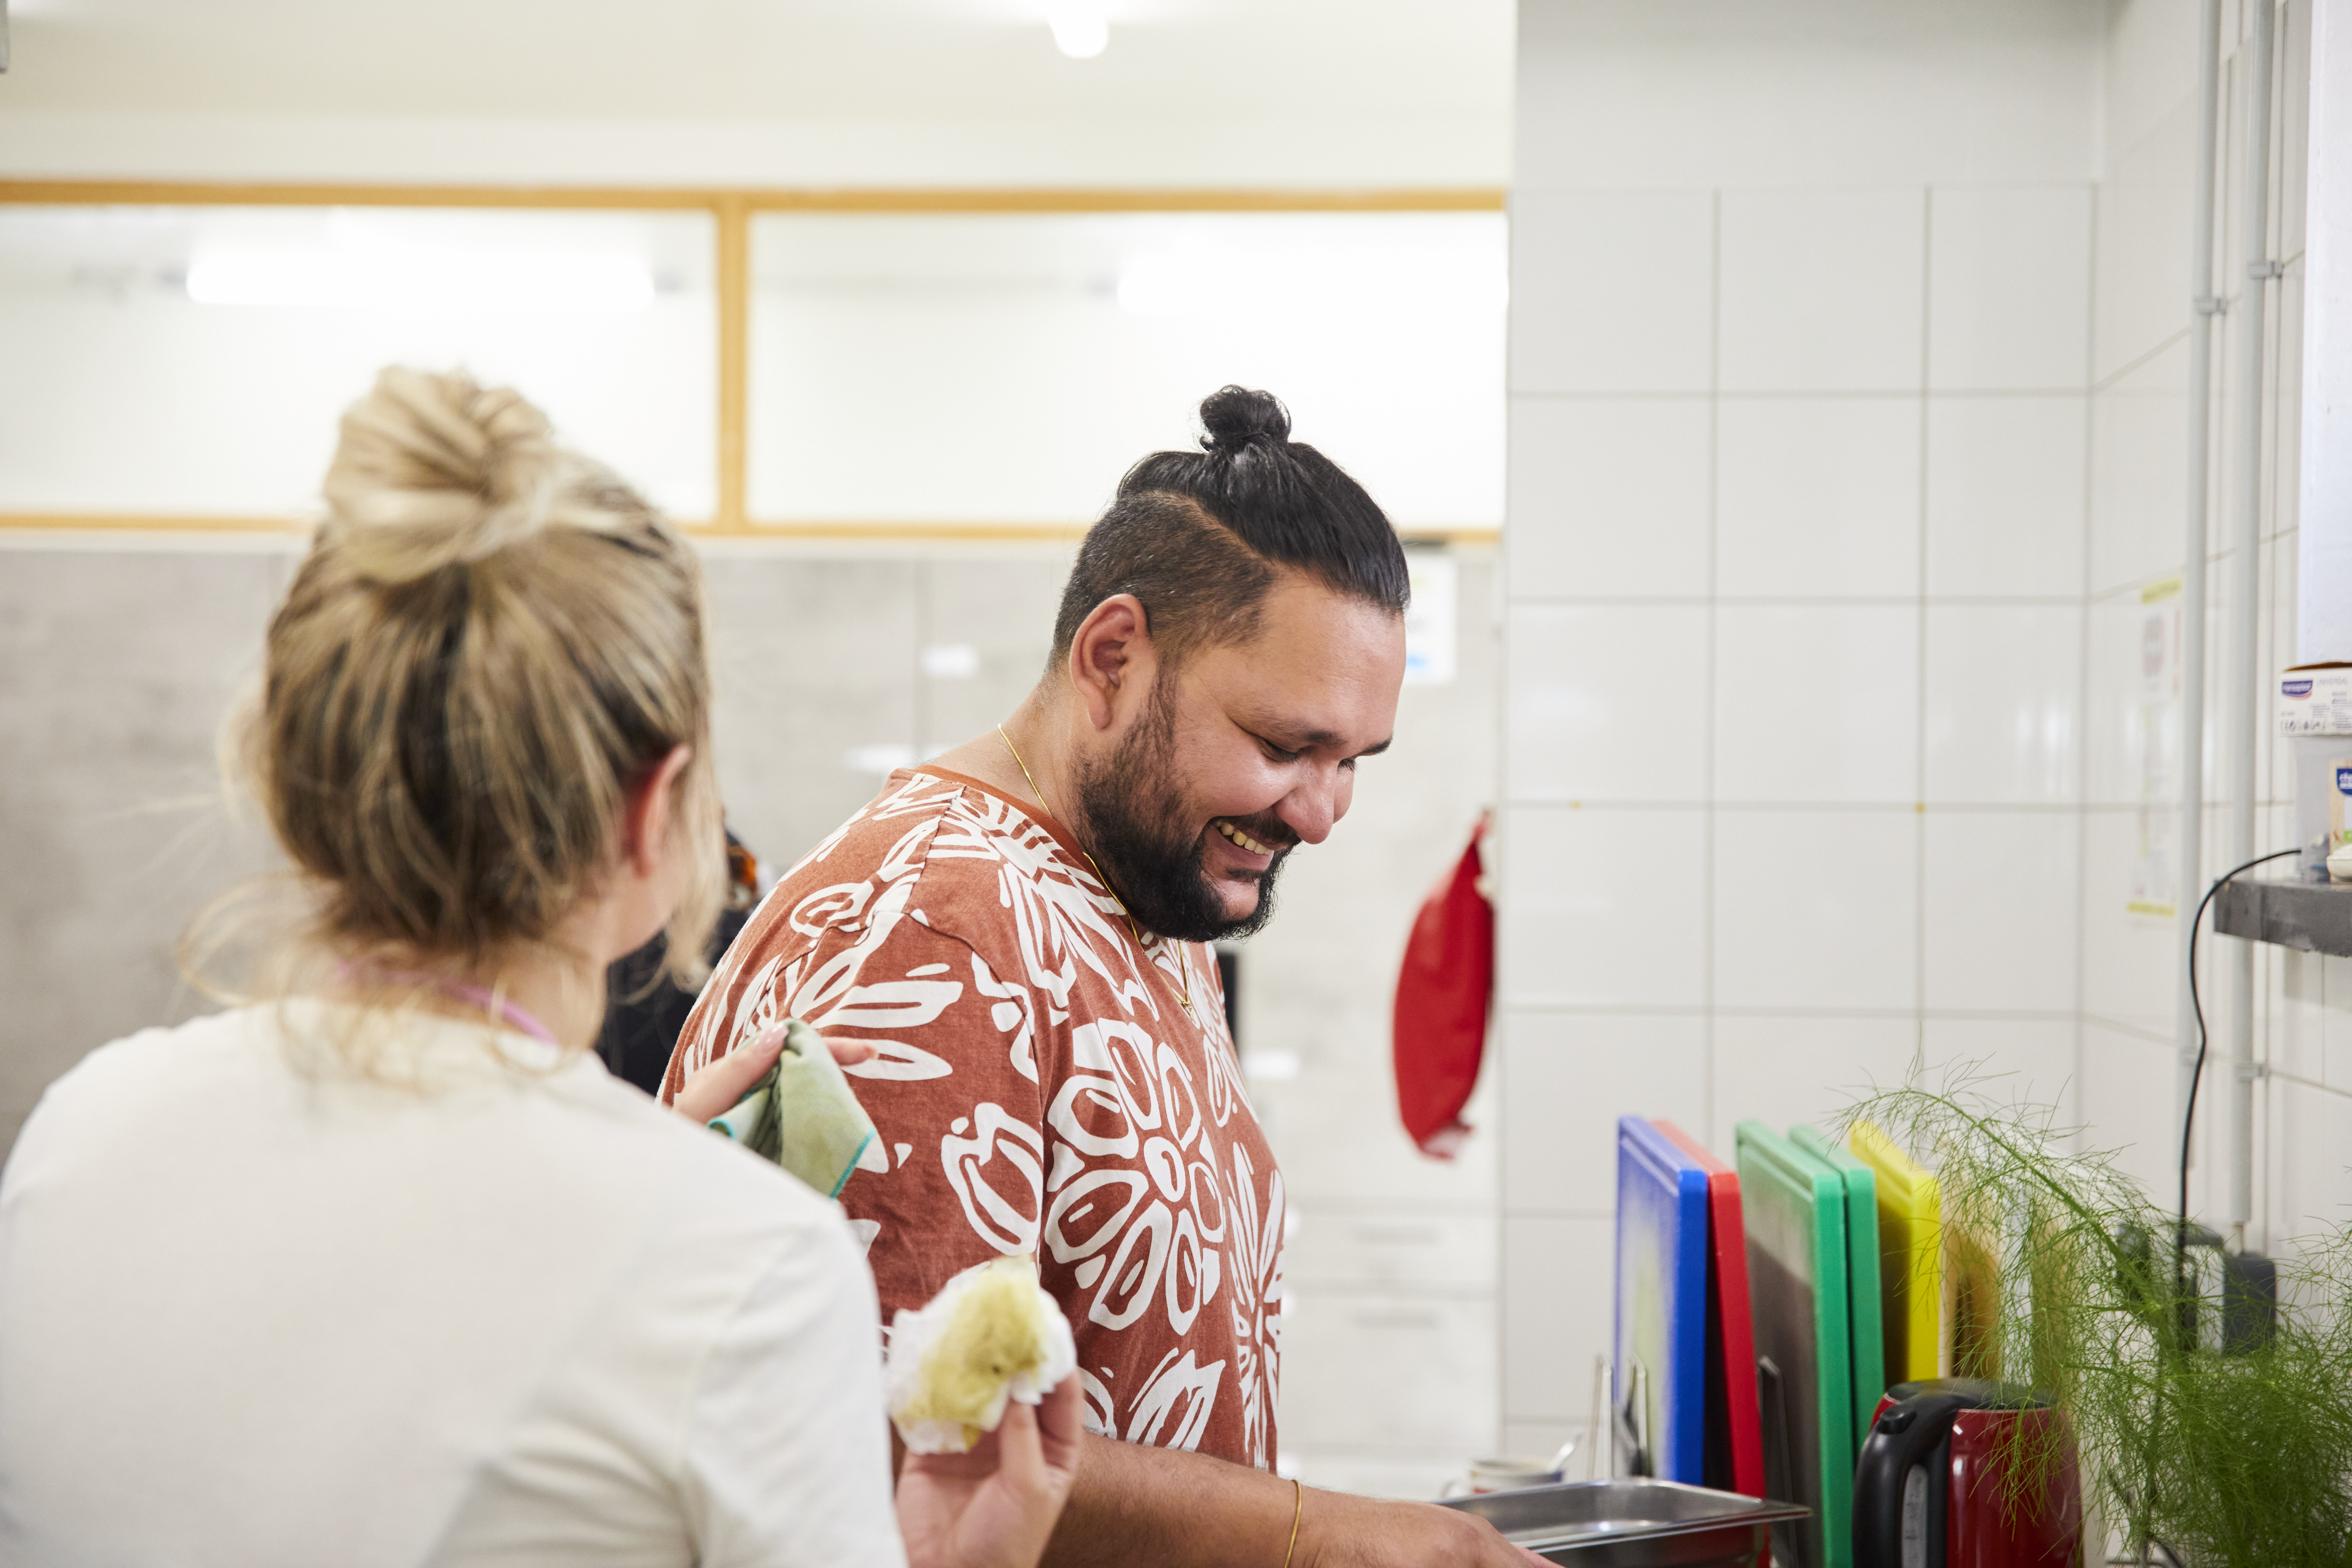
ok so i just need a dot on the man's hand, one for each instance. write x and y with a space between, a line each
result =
1175 1509
712 1092
995 1506
1336 1530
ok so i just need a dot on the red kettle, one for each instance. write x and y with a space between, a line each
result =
1932 1488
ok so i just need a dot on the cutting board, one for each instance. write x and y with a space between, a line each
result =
1660 1364
1796 1211
1865 1341
1910 1253
1734 1444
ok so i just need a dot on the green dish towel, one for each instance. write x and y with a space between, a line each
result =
803 1115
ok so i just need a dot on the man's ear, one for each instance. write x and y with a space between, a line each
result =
1112 661
646 812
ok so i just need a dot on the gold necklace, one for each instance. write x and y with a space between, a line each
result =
1184 996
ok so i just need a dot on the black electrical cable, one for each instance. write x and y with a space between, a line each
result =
2188 1118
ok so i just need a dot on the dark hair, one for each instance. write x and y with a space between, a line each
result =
1198 537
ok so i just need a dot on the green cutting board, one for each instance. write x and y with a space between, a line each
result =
1797 1251
1863 1305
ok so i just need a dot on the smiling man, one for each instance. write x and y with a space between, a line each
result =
1019 928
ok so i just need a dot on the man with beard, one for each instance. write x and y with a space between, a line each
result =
1019 928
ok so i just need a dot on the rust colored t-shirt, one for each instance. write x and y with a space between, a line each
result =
1040 1087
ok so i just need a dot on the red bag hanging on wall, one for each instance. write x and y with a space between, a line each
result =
1444 991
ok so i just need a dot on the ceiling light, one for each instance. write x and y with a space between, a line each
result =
1079 31
418 279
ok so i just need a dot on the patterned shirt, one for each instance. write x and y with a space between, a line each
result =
1040 1087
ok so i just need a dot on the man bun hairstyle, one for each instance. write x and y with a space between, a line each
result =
491 641
1200 537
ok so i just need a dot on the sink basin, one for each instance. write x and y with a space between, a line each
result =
1633 1523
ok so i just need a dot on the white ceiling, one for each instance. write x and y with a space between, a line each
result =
1171 63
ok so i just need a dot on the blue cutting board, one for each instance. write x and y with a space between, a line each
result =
1662 1198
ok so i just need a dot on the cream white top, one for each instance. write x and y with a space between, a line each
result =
255 1311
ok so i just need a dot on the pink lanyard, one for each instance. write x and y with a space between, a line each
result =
456 991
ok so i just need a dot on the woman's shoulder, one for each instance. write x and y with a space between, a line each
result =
147 1062
523 1115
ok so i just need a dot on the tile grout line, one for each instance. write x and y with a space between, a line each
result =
1708 837
2083 662
1920 711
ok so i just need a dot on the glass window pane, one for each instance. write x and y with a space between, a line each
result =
194 360
1009 368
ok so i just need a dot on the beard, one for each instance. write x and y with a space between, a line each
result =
1150 844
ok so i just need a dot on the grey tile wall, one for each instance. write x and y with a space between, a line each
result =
116 668
813 658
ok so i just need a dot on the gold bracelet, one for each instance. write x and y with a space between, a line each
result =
1298 1507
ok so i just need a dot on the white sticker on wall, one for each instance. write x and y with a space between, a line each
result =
1432 623
2152 738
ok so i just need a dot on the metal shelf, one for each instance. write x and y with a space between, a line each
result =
2313 917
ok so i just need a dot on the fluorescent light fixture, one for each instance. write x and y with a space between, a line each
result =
1271 1065
1080 31
950 661
414 278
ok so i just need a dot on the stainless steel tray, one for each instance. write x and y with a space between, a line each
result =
1633 1523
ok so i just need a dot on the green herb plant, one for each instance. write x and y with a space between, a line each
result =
2232 1460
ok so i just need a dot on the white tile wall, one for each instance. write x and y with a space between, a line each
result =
2009 289
2129 960
1585 929
2140 288
1816 908
2126 1099
2138 504
2314 1185
2298 1036
1773 93
1613 290
2002 690
2335 1023
1556 1314
1393 1248
1945 460
1379 1370
2139 472
2018 1061
2151 65
2114 723
1606 702
1589 1070
1998 902
1610 498
2007 483
1819 496
2291 84
1785 1071
1823 289
1817 702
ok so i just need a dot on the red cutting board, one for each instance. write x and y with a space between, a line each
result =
1731 1337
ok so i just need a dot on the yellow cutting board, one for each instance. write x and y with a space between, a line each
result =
1910 1268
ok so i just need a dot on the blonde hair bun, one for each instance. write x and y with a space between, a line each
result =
489 642
433 470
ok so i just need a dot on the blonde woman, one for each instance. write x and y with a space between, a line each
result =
384 1268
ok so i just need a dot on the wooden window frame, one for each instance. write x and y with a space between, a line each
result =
732 211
